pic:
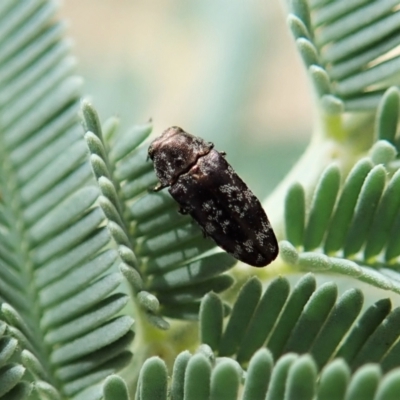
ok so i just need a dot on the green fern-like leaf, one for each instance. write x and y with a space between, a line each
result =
330 366
59 297
346 49
309 320
351 229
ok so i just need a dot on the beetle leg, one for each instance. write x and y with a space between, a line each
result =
158 187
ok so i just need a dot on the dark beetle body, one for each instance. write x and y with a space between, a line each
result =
207 188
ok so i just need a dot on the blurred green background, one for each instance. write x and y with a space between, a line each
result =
225 70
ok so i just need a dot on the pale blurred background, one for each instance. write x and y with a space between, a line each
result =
225 70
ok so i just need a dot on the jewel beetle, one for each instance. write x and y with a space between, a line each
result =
207 188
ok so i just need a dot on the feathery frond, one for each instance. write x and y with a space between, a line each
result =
321 353
351 228
349 50
60 329
307 320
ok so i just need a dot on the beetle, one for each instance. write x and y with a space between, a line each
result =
207 188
